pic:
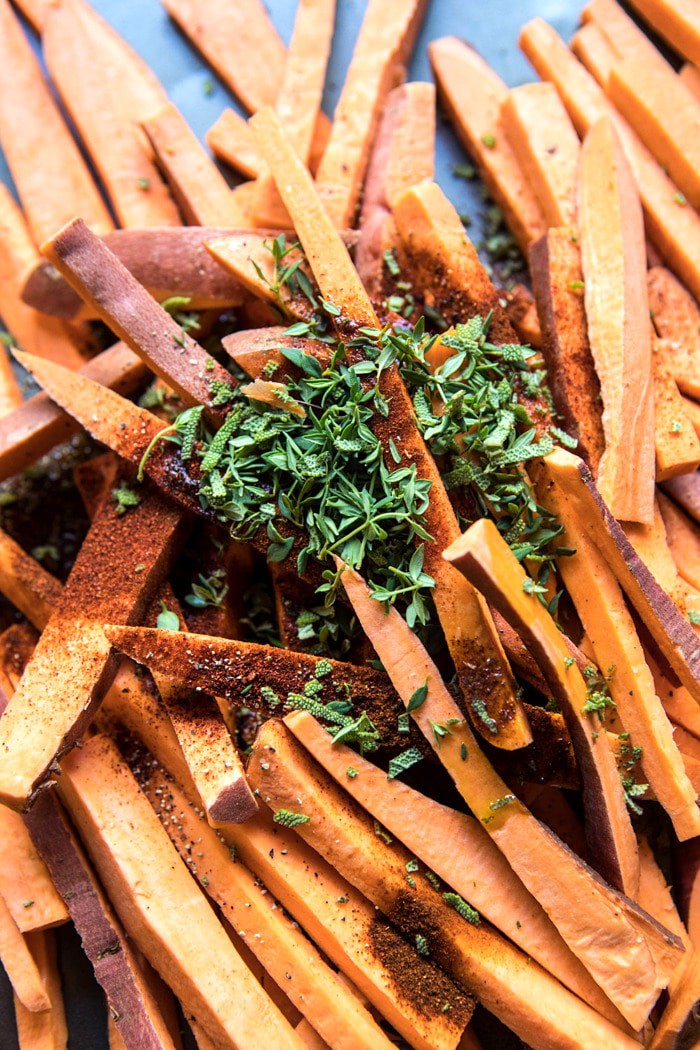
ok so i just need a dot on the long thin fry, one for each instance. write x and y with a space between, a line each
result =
677 21
19 964
231 140
677 444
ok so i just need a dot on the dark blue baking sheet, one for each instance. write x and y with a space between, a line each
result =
492 27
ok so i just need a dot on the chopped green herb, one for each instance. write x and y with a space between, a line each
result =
412 865
694 617
479 709
143 184
432 879
351 772
569 661
404 723
489 140
323 667
208 86
124 498
576 286
418 698
422 946
400 763
391 262
679 198
290 820
167 620
382 834
462 908
463 752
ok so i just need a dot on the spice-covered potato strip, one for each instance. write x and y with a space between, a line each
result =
275 940
132 314
676 318
72 658
473 866
674 230
578 902
446 929
465 619
610 629
143 875
676 443
473 95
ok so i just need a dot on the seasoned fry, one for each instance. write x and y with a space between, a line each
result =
677 444
231 140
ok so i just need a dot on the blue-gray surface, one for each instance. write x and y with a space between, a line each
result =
492 27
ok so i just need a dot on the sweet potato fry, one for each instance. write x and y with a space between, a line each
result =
169 262
140 868
685 490
38 424
44 336
239 41
665 115
384 44
547 146
232 141
38 129
676 443
555 266
591 46
690 75
613 849
683 540
113 958
298 101
464 617
676 318
473 95
579 902
600 603
339 829
674 230
133 551
651 544
403 155
613 260
101 104
25 884
123 304
20 966
47 1029
197 185
275 940
474 867
677 22
671 632
29 587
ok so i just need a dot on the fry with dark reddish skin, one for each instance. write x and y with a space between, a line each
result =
131 313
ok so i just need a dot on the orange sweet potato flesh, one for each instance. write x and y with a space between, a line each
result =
123 304
298 101
555 266
613 258
683 539
38 424
593 49
383 46
36 128
676 318
690 75
677 445
579 903
25 883
19 964
612 846
547 146
665 115
670 630
233 142
674 231
473 95
523 995
277 942
466 621
73 659
310 890
197 185
141 871
40 335
601 607
473 866
100 104
677 21
46 1030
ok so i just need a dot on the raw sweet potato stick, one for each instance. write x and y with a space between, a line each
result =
674 230
288 779
95 100
298 102
197 185
464 617
547 146
37 129
617 313
383 47
143 873
578 902
473 96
